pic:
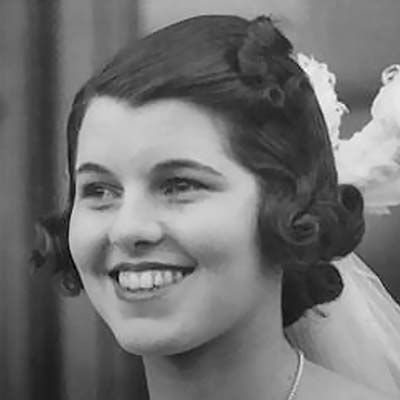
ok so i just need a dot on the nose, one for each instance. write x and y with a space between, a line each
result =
135 224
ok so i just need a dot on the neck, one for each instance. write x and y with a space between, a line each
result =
253 360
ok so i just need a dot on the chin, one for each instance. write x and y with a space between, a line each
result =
149 341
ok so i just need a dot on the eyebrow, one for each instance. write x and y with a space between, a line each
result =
91 167
172 164
186 163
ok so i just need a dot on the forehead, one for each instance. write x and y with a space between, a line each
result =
166 128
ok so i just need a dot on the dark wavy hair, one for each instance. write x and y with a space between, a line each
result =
245 72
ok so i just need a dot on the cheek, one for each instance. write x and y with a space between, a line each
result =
218 232
87 238
221 237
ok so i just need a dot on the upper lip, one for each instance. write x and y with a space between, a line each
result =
145 266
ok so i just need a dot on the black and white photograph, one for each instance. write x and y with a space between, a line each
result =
200 200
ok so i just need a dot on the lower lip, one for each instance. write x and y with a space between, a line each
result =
145 295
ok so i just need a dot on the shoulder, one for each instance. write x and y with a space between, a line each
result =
321 384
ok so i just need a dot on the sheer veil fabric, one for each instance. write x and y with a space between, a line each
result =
358 334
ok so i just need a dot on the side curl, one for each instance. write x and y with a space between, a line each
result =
304 289
325 232
52 251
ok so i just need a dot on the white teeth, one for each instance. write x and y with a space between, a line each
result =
178 275
168 277
133 280
146 280
158 278
127 279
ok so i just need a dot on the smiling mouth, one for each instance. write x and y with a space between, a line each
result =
137 279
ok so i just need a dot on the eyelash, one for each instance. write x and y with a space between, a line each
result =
189 185
99 191
171 187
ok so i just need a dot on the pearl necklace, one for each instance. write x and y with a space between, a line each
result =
299 373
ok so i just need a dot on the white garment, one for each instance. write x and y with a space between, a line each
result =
359 334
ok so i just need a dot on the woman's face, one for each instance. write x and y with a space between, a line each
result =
163 227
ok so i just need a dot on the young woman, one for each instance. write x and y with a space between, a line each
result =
205 211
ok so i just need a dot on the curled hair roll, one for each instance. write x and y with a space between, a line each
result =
332 235
52 251
266 66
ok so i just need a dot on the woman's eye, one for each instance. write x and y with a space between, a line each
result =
177 185
99 194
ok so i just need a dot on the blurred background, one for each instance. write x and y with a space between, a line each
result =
56 348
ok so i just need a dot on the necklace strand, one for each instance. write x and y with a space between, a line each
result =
299 373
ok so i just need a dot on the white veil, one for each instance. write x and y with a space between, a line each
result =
358 334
